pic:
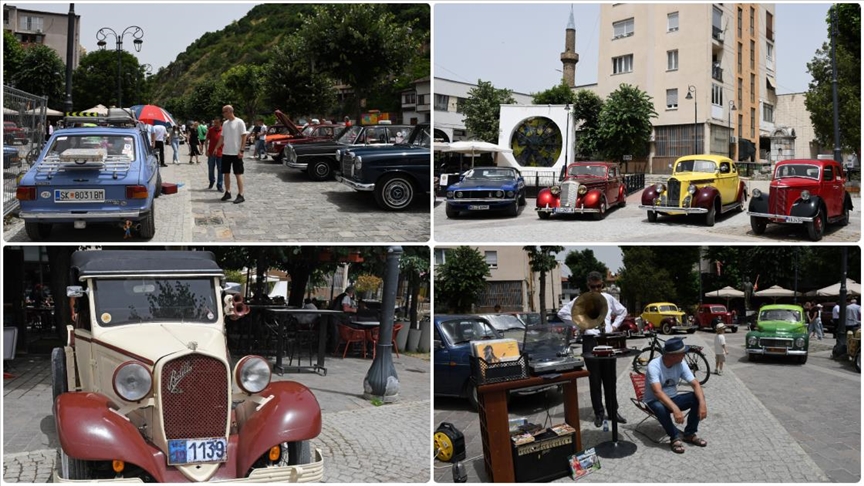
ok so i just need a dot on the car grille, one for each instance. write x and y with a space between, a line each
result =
478 194
347 166
777 200
569 193
775 343
195 400
674 192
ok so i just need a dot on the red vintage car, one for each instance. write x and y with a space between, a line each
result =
709 315
804 191
588 187
279 135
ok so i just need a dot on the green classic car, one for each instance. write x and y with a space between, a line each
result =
780 331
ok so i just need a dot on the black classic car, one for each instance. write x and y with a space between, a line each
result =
318 159
396 173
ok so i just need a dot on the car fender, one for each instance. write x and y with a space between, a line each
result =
591 199
292 415
742 189
759 204
847 202
406 173
807 208
649 195
705 196
546 198
88 429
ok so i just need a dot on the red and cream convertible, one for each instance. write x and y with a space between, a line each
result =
588 187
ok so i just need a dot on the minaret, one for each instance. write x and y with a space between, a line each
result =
569 58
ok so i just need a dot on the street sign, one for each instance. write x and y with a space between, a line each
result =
627 157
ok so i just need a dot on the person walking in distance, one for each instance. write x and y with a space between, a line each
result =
174 138
214 156
720 347
202 139
158 135
194 149
232 142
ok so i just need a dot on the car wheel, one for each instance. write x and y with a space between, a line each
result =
753 357
319 170
394 192
513 209
711 216
691 331
666 328
37 231
758 225
802 359
522 200
148 224
471 393
158 190
299 453
602 208
816 228
844 221
451 213
278 158
59 385
652 216
734 330
544 215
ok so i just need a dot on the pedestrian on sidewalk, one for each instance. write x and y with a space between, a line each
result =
720 351
231 142
202 138
159 133
260 149
174 138
214 155
820 333
194 149
812 314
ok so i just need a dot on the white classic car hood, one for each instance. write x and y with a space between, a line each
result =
153 341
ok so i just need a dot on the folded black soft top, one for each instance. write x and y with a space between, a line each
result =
101 263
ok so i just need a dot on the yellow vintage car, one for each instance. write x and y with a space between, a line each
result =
700 184
666 317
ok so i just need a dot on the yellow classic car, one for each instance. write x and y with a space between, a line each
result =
666 317
700 184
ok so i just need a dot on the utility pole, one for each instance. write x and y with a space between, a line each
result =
837 156
70 55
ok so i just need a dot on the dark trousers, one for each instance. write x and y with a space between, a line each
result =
684 401
595 380
160 147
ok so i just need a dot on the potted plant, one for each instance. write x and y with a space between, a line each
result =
367 285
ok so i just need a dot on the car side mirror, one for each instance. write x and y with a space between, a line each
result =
438 344
76 291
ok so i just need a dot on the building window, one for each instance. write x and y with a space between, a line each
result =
769 51
622 64
740 124
740 21
740 57
740 91
716 94
672 99
752 21
752 88
441 102
28 22
441 255
752 54
492 259
672 60
716 23
769 26
623 28
410 99
767 113
672 22
752 123
421 99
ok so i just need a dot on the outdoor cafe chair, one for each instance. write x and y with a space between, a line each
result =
350 335
372 336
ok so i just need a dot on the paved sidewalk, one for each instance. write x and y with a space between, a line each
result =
361 443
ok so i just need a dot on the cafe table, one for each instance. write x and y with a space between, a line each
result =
286 316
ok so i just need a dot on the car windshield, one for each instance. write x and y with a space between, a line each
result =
531 318
787 315
488 174
503 322
277 129
668 308
460 331
718 309
708 166
143 300
587 170
350 135
113 145
420 137
807 171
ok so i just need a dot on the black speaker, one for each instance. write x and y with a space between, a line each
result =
545 459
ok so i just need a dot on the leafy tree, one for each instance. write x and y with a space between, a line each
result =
641 281
819 100
543 260
461 280
482 110
559 94
41 72
95 80
244 81
586 108
291 83
414 265
625 123
13 53
581 263
207 100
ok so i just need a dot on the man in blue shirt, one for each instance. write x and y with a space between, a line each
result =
661 395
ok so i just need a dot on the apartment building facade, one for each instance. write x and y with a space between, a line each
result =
710 69
449 120
48 28
511 283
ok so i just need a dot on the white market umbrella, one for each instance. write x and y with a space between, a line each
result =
440 147
473 148
98 109
852 288
776 292
48 112
9 111
725 293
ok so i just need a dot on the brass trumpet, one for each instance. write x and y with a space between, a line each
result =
589 311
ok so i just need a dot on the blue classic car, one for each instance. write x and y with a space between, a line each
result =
487 189
395 173
103 174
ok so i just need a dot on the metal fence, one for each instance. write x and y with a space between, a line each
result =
539 179
24 129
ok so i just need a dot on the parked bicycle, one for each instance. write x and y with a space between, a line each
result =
694 358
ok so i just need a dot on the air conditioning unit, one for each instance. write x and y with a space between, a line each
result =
733 139
721 37
38 31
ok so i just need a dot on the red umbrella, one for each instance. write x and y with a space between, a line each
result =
154 115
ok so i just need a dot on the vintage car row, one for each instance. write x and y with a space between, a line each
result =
395 174
700 184
808 192
780 331
487 189
145 390
666 317
587 188
278 136
13 134
91 175
319 160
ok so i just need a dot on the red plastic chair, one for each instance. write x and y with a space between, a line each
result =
350 335
372 336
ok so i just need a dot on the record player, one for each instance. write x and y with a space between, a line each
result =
548 349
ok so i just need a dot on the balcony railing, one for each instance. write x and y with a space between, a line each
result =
717 73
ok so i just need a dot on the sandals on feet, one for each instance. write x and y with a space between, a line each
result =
677 446
697 441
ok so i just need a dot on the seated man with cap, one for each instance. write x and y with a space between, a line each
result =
661 395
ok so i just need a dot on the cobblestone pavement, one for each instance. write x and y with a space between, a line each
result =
359 441
281 205
749 432
627 224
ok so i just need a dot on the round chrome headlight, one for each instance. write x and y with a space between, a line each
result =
252 374
751 341
358 162
805 195
450 194
510 194
799 343
660 187
691 189
582 190
555 190
458 193
132 381
499 194
757 193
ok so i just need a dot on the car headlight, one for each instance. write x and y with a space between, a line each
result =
339 155
799 343
458 193
751 341
555 190
757 193
450 194
582 190
358 162
252 374
805 195
499 194
511 194
691 189
659 187
132 381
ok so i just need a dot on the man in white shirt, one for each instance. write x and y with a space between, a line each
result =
614 317
232 141
158 137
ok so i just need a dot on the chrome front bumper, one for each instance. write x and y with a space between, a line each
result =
785 218
673 209
787 352
295 165
357 186
560 210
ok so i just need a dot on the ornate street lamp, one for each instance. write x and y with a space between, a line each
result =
137 33
731 109
691 95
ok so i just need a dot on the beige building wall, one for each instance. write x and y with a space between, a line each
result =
48 28
792 113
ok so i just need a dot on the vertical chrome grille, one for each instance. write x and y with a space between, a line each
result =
778 200
195 397
674 189
347 165
569 193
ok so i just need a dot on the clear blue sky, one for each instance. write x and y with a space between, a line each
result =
169 28
518 46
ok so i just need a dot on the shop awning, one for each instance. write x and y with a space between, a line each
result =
771 83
